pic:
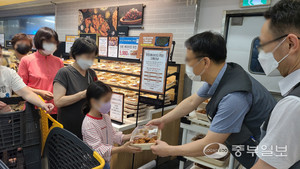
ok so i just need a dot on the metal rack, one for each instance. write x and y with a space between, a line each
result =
157 102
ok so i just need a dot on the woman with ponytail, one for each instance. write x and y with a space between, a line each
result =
97 130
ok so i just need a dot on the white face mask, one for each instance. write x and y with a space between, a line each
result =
84 63
49 48
268 62
189 70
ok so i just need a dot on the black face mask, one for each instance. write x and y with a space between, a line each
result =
23 49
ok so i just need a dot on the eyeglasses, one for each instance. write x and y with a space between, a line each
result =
259 47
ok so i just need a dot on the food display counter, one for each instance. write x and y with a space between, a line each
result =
123 75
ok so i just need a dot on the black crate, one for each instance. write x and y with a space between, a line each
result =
32 126
11 130
13 158
32 157
22 158
18 129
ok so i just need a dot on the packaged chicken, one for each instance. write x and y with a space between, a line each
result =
145 136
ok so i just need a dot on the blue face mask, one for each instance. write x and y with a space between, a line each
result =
105 108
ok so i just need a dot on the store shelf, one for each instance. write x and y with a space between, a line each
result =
128 74
126 88
116 72
119 59
172 87
172 74
127 125
136 90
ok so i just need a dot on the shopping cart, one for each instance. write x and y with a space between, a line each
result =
23 134
20 136
62 149
65 150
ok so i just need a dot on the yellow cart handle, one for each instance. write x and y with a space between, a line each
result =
100 159
44 123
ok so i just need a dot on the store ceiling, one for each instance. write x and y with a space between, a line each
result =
15 4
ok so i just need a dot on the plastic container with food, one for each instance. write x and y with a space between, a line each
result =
145 136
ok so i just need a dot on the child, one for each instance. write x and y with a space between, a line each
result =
97 130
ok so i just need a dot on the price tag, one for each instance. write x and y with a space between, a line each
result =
128 47
117 107
154 70
70 39
113 44
2 41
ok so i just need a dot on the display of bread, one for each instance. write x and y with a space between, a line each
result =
120 75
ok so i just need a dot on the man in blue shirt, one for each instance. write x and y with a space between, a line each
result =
238 107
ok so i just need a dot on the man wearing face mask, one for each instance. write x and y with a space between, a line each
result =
71 82
280 56
22 44
39 69
238 106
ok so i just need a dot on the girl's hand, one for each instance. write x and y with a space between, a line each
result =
126 137
130 149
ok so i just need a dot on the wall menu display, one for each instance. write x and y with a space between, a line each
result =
70 39
89 35
102 45
128 47
117 107
102 21
154 40
8 44
2 41
154 68
113 43
131 15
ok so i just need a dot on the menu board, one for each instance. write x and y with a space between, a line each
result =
102 21
70 39
8 44
102 42
128 47
131 15
117 107
154 69
89 35
2 41
154 40
113 47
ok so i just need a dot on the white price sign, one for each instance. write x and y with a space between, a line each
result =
154 70
103 46
70 39
117 107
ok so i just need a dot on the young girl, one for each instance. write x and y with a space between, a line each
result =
97 130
